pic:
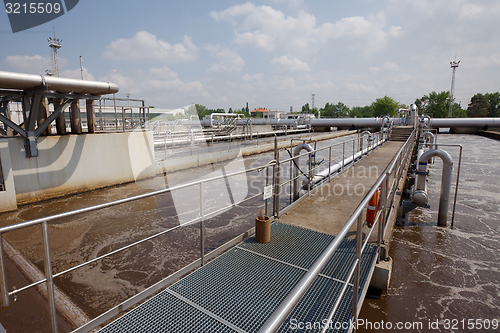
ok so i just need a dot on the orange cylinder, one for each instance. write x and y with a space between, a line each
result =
373 208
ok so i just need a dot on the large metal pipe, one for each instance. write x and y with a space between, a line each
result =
420 195
296 152
9 80
483 123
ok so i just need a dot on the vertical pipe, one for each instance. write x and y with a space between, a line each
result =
60 120
90 116
4 286
202 227
75 117
47 263
355 291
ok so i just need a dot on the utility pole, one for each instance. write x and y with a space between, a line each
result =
454 66
81 66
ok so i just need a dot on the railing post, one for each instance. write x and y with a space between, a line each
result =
267 183
309 173
202 227
343 155
330 164
381 221
4 286
355 291
48 275
276 181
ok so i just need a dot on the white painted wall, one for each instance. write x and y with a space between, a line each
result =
74 163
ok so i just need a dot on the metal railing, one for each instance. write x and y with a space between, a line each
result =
354 148
394 170
47 258
120 118
386 199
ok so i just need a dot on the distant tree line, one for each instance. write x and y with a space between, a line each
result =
434 104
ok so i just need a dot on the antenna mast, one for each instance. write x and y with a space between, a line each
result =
54 44
454 66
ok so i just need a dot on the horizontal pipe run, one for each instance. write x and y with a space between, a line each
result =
9 80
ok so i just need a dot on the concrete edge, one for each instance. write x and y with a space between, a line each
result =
65 306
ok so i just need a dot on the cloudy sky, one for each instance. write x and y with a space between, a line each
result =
273 53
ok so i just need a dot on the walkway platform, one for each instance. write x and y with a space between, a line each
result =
328 208
239 290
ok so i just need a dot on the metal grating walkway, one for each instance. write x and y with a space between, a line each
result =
239 290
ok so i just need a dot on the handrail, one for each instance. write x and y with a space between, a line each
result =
285 308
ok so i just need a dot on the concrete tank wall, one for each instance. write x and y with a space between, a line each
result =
76 163
8 196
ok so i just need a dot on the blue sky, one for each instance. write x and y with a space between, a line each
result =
273 53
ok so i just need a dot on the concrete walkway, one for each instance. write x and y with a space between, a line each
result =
329 208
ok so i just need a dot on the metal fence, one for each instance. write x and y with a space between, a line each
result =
388 182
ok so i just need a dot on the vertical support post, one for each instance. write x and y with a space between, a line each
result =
60 120
76 117
267 183
4 286
309 174
456 187
381 221
355 291
90 115
202 227
330 163
47 263
343 156
353 150
276 181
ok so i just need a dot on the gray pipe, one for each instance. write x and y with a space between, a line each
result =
420 195
10 80
296 152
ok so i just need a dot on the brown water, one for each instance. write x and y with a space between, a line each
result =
104 284
447 279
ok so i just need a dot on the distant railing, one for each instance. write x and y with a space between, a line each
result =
120 118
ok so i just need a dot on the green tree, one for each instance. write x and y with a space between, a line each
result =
385 106
435 104
306 108
361 111
494 104
478 106
339 110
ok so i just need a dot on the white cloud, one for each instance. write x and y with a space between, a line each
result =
254 77
230 60
146 46
386 67
28 64
77 74
290 64
125 84
267 28
470 11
